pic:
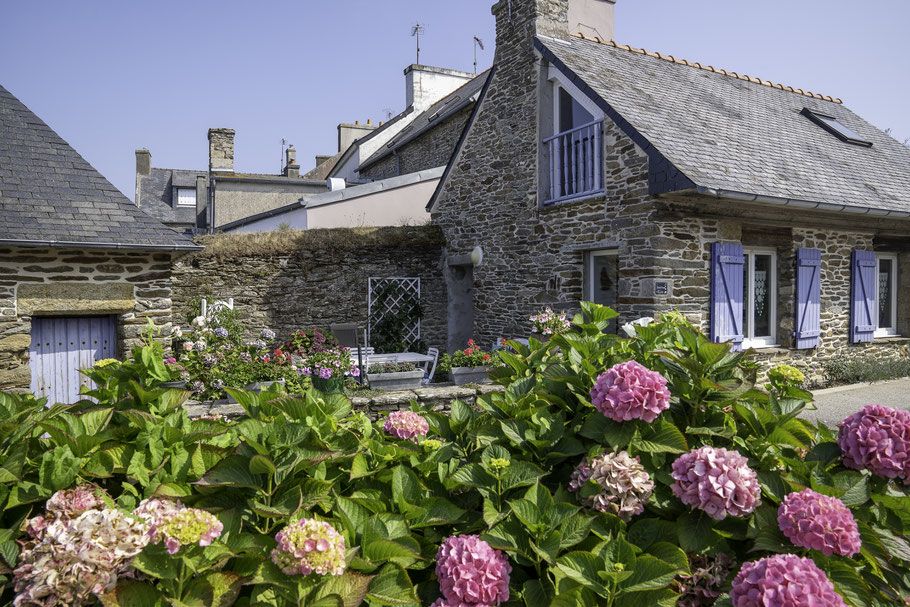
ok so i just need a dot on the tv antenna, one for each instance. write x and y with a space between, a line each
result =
388 113
416 30
477 42
281 158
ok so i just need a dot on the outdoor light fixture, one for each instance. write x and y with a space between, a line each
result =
477 256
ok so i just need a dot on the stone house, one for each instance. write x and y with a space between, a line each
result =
192 201
81 267
771 216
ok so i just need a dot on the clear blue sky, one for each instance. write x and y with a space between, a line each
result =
112 76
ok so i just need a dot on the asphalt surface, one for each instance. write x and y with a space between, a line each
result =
834 404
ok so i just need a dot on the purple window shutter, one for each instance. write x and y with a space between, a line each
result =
808 298
727 293
862 296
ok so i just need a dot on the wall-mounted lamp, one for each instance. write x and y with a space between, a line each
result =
474 258
477 256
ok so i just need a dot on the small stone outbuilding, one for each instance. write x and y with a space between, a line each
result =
81 268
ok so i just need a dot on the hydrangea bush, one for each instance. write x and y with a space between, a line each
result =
550 492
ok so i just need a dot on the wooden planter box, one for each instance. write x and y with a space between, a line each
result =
469 375
403 380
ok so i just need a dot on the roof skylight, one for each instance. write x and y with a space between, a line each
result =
831 124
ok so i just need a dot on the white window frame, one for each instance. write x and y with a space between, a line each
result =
768 341
892 330
183 204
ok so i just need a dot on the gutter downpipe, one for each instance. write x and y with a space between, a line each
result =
794 202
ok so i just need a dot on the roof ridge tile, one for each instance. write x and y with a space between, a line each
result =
708 68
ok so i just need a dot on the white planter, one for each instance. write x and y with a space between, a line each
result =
470 375
402 380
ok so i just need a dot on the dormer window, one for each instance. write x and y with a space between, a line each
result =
186 197
833 126
574 152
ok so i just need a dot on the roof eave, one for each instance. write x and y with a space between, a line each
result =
120 246
797 202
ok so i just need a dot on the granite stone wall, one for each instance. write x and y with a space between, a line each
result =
313 286
134 286
535 254
430 150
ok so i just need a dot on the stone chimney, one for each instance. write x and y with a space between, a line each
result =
425 85
593 18
291 168
221 150
349 133
143 169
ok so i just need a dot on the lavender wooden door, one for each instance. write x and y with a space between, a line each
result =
62 346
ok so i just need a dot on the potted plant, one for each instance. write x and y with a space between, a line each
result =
548 323
328 369
178 374
394 376
468 366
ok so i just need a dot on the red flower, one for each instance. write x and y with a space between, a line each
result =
486 357
468 352
470 342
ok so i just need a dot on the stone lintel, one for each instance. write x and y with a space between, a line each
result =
75 299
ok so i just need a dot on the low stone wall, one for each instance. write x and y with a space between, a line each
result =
133 286
440 399
289 280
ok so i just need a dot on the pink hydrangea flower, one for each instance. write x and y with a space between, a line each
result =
877 438
406 425
625 485
75 501
715 480
470 572
176 525
630 391
309 546
820 522
783 580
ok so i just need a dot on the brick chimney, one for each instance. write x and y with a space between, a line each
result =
425 85
143 169
291 168
221 150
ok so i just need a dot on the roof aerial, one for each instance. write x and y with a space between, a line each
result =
710 68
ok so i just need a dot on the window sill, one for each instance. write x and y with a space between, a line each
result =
891 339
559 202
770 350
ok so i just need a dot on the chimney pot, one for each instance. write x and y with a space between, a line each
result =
221 150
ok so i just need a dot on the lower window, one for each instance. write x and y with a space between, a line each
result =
601 280
759 298
886 295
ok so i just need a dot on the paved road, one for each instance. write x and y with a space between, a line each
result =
834 404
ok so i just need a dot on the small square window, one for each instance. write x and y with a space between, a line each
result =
833 126
186 197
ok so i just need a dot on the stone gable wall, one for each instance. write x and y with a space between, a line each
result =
432 149
312 286
133 286
534 255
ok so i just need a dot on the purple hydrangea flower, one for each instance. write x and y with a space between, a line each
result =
267 334
221 332
715 480
625 485
630 391
783 580
406 425
209 361
471 572
877 438
820 522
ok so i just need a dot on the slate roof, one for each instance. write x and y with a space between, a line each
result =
50 195
431 117
738 134
156 193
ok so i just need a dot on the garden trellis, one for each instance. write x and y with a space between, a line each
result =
394 296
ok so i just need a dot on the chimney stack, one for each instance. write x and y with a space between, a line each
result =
143 169
425 85
221 150
593 18
349 133
291 168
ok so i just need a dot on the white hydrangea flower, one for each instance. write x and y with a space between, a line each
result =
629 327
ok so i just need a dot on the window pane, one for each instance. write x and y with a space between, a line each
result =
602 282
186 197
762 295
747 262
571 113
885 286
